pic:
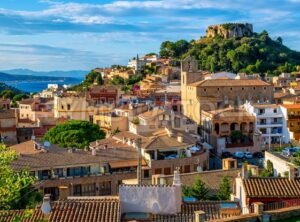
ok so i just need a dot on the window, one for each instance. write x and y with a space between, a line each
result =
146 174
88 189
167 171
253 88
187 169
62 106
243 88
275 111
218 89
157 171
265 88
291 124
231 88
68 106
105 188
77 190
204 90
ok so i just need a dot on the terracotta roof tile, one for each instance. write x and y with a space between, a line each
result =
212 211
7 114
291 106
230 82
272 187
73 210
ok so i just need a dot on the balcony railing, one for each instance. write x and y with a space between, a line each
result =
294 116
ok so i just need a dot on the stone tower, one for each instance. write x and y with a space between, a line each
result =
189 74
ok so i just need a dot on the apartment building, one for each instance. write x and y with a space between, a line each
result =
270 121
291 114
34 108
156 118
8 123
4 103
104 95
211 94
166 149
94 172
109 121
229 130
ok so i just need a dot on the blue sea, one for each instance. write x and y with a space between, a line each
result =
38 86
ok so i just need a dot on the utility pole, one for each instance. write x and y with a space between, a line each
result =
139 167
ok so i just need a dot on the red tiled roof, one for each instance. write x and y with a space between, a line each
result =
72 210
272 187
230 82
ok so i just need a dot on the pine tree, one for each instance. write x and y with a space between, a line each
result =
199 190
225 191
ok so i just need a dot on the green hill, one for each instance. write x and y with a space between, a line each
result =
251 53
4 87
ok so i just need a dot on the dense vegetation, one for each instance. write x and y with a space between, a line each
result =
255 54
199 190
91 78
4 86
74 134
16 191
13 95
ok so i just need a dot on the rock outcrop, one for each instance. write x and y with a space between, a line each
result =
230 30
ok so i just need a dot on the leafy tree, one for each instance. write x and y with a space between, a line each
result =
268 171
15 186
225 190
7 94
197 190
253 54
74 134
174 49
117 80
18 98
236 135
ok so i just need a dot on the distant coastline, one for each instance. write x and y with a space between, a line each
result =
38 86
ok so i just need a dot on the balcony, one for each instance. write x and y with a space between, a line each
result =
293 116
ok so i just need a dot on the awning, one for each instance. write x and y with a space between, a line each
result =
126 163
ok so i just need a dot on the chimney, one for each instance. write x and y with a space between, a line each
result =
33 137
245 171
291 173
177 191
176 179
179 139
94 152
46 206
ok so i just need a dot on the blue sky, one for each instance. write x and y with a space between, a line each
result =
83 34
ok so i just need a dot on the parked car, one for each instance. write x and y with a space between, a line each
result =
226 154
239 154
248 155
258 155
289 151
